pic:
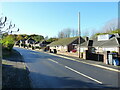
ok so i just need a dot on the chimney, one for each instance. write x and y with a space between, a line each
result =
86 38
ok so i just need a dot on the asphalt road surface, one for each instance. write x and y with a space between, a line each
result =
48 71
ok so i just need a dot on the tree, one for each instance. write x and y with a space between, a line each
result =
61 34
52 39
19 37
67 32
46 38
8 42
73 33
111 25
36 37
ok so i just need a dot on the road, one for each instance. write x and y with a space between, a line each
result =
49 71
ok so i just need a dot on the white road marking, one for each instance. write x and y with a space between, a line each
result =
83 75
100 66
77 72
53 61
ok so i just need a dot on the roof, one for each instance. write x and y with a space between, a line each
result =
115 41
87 43
98 43
30 39
23 40
63 41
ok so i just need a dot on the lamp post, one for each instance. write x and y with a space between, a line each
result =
79 34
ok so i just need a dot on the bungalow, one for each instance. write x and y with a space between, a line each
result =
65 44
17 43
87 45
41 44
22 42
107 42
111 45
44 43
100 46
29 42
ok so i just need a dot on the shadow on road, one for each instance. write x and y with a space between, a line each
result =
45 81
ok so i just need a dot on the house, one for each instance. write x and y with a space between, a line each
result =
22 42
65 44
44 43
87 45
29 42
41 44
17 43
112 45
106 43
99 47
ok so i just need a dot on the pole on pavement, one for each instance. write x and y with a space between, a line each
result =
79 34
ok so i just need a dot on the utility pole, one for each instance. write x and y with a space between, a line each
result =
79 34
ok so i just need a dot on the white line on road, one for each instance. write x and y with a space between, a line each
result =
77 72
53 61
100 66
83 75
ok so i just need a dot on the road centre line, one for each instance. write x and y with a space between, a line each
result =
52 60
100 66
78 72
83 75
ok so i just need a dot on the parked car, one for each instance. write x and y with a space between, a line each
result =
74 50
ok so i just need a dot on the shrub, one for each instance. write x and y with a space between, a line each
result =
8 42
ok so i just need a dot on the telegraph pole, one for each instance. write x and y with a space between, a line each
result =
79 34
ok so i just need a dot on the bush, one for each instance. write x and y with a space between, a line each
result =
8 42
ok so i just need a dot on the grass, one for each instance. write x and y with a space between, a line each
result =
12 75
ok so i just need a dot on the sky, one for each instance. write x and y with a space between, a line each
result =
48 18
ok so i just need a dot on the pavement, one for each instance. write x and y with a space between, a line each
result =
48 70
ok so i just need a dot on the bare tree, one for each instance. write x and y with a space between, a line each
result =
2 23
73 33
67 32
110 25
61 34
4 28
